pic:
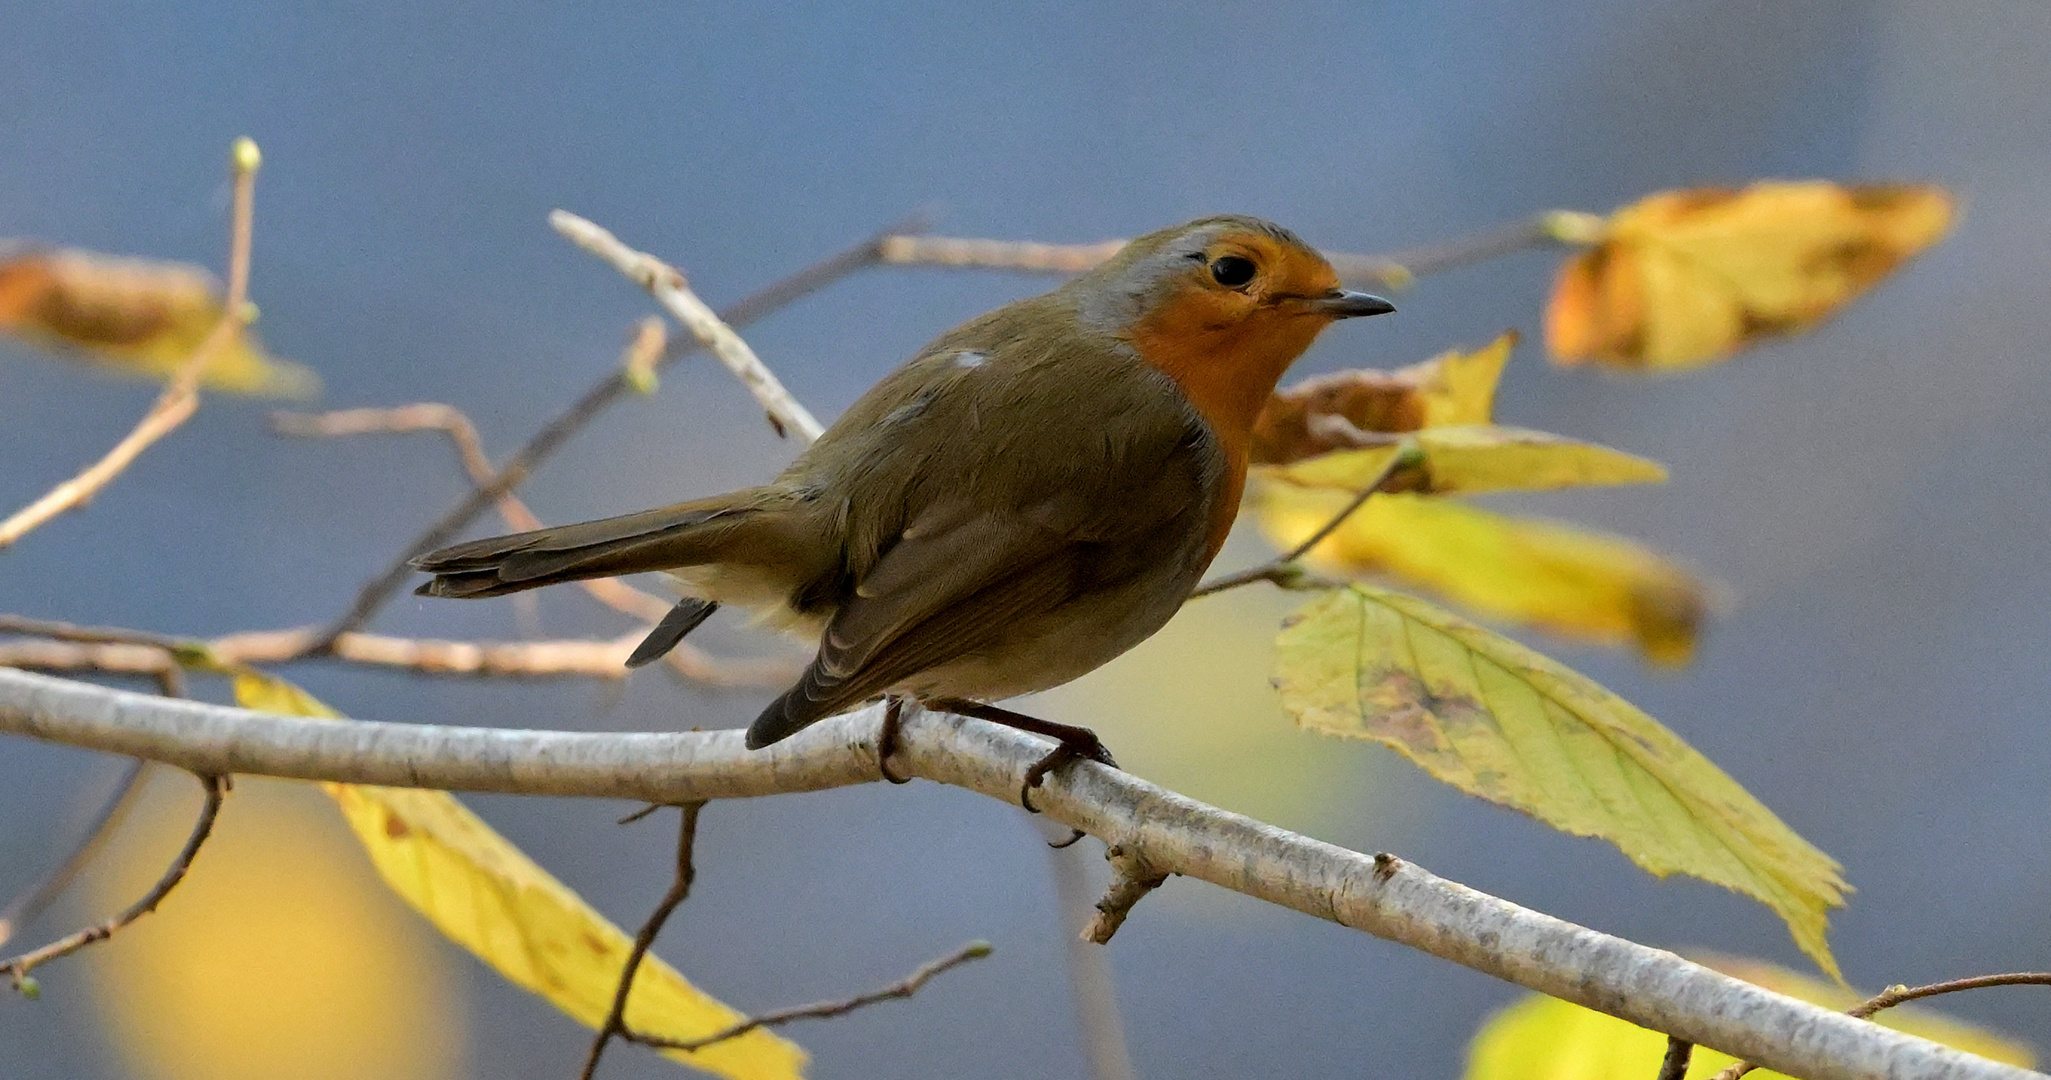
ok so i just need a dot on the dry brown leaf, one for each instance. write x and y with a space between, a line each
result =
134 316
1688 277
1361 407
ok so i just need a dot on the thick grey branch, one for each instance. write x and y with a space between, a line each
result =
1382 895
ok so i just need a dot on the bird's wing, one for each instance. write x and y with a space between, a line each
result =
939 593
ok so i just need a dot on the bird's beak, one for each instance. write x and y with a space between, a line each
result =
1346 304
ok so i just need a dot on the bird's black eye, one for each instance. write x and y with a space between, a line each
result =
1232 271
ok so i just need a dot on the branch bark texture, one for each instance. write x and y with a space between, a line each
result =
1380 894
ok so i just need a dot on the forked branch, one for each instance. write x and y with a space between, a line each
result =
679 890
903 988
180 398
17 968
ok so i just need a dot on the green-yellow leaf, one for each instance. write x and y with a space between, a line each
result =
487 896
1543 1038
1477 457
1553 577
1496 719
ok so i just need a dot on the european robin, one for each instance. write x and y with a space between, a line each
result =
1034 493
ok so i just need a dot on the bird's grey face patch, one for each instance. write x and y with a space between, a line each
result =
969 358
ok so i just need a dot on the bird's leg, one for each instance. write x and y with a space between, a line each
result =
888 736
1073 742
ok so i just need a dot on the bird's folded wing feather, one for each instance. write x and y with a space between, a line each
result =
938 594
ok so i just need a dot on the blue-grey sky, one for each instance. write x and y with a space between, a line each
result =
1872 497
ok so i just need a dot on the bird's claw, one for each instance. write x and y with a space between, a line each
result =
1083 746
887 739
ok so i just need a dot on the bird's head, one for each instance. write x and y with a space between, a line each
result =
1223 305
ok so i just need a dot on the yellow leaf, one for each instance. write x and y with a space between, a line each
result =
1573 582
1348 409
1496 719
278 956
1543 1038
487 896
138 317
1688 277
268 693
1473 458
1460 388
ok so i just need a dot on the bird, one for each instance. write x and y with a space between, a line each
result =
1032 494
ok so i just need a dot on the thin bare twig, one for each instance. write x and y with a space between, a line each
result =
666 283
35 899
679 890
91 635
615 385
1090 981
142 653
114 806
180 399
903 988
469 448
954 251
1397 270
1282 569
637 815
684 658
399 419
1542 229
1898 994
17 968
1132 878
1679 1053
113 809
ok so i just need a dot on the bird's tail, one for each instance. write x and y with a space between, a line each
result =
687 534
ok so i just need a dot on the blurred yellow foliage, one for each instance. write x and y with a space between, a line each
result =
1549 576
1687 277
1543 1038
486 895
137 317
278 956
1475 458
1191 709
1495 719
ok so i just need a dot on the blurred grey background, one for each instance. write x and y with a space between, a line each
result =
1873 496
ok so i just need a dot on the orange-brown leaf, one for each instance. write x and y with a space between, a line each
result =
1364 406
134 316
1689 277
